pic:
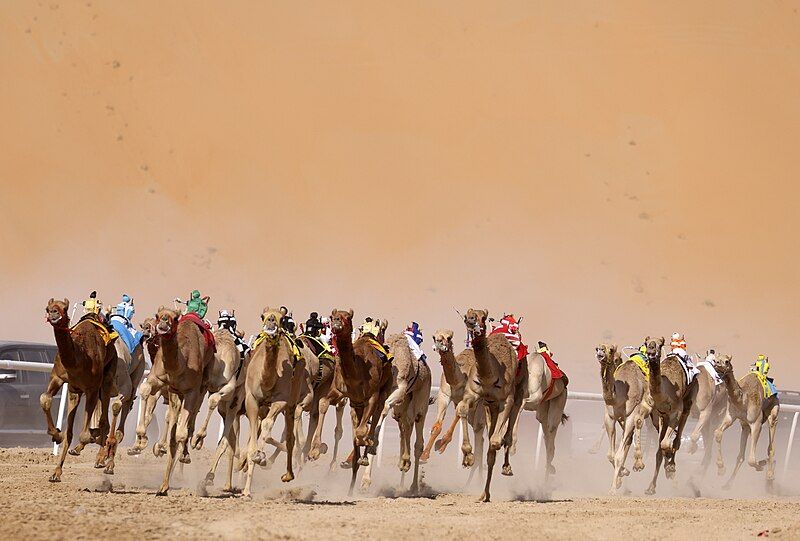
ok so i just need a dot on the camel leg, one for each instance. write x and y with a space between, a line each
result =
419 444
299 437
708 447
442 402
46 402
755 433
726 423
172 445
313 422
233 448
622 453
508 439
275 409
773 425
463 410
72 408
491 456
189 406
659 458
669 465
362 430
739 459
222 449
149 398
316 448
338 432
638 455
555 412
496 432
288 416
442 444
611 431
252 410
112 441
85 436
705 417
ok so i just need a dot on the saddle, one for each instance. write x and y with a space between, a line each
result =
107 335
639 360
555 372
766 384
383 353
205 329
320 348
293 344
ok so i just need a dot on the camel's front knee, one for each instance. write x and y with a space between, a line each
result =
46 401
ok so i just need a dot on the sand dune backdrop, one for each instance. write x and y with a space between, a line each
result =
605 171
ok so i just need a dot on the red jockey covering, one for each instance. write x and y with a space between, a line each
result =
509 327
551 364
204 328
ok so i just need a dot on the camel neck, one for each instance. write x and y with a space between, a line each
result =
344 347
654 379
482 361
66 346
607 378
733 388
169 351
452 374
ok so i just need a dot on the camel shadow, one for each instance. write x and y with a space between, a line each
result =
523 499
324 503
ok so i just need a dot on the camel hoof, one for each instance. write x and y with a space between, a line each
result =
363 461
161 493
759 466
721 470
185 459
651 490
197 441
109 470
371 450
405 465
485 497
55 478
159 450
323 449
346 465
58 436
770 476
424 459
286 477
74 451
260 459
507 471
468 461
209 479
365 484
100 464
133 451
638 465
439 444
232 490
551 469
624 472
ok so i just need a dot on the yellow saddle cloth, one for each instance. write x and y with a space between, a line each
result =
289 338
765 384
382 351
108 336
639 360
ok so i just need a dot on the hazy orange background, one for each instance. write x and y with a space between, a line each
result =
607 171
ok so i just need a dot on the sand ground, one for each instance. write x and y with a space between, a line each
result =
83 507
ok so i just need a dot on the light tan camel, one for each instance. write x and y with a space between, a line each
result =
185 359
548 398
709 405
276 379
672 398
411 406
86 363
365 380
494 380
627 398
220 380
747 404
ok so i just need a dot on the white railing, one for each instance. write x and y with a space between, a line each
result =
573 395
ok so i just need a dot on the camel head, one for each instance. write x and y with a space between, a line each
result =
475 321
271 321
606 354
167 321
723 365
341 321
654 346
148 327
57 312
383 324
443 341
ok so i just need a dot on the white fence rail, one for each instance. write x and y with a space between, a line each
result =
573 395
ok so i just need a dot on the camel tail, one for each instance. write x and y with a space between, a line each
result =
564 418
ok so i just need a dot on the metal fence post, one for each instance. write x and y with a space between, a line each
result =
61 406
791 441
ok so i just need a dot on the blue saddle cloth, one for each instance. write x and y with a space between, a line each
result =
129 335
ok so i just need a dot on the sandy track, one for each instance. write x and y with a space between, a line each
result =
309 510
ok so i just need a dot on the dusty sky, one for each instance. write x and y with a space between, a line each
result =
607 170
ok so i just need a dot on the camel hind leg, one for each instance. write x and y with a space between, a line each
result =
659 458
773 425
491 456
419 444
555 417
622 452
442 401
172 445
509 439
338 432
727 421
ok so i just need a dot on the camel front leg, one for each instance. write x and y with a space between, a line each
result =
112 441
755 433
172 445
739 459
611 431
442 444
442 401
46 402
726 423
338 432
508 439
419 443
72 405
622 453
497 435
85 437
491 456
659 457
773 425
705 417
317 448
467 403
148 397
189 406
363 430
251 409
288 416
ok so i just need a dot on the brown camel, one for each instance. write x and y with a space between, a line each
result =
183 370
86 363
455 370
494 380
709 405
627 399
747 404
672 398
365 380
274 378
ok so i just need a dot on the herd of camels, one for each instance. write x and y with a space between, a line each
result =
487 384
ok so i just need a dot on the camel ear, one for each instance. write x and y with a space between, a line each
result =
613 349
284 310
66 301
350 313
162 307
646 339
662 341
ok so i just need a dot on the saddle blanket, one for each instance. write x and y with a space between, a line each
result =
766 384
129 335
689 369
641 362
711 370
204 328
382 353
108 336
